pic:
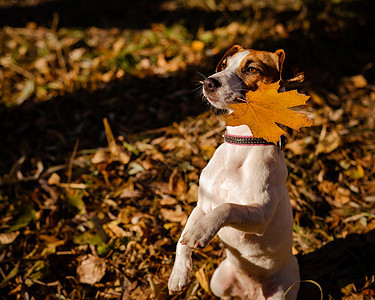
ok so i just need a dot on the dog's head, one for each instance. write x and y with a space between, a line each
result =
239 71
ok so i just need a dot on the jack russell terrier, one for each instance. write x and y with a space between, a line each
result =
242 195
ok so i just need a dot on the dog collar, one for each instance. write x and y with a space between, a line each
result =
250 141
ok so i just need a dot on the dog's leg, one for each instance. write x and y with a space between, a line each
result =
247 218
183 263
224 283
275 288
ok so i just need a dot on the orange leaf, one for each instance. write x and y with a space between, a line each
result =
265 107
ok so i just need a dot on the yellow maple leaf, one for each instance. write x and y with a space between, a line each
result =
265 107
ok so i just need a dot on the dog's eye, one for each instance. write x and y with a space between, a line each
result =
249 70
224 64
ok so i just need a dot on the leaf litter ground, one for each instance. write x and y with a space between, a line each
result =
97 183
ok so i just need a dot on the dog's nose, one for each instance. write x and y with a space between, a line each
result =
211 84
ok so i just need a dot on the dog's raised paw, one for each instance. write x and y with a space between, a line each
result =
179 279
198 236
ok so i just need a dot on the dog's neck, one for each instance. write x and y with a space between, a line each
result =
242 130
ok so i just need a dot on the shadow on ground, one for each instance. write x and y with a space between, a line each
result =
44 131
339 264
334 42
106 14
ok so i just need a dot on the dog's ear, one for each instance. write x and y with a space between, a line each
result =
299 77
290 72
222 64
281 57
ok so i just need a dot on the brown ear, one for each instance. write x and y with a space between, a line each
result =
281 55
230 52
300 77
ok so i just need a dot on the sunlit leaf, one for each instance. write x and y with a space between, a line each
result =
91 269
265 108
8 238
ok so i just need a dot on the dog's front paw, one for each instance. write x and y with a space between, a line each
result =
199 236
179 277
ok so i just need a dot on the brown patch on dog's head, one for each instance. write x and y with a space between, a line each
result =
261 67
239 71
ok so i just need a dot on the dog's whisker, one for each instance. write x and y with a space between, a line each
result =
202 75
237 84
197 88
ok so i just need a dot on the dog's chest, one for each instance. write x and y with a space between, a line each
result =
212 181
240 174
226 174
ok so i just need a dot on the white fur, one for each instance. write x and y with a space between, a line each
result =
243 198
232 86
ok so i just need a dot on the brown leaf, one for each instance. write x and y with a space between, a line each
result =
202 278
166 200
130 194
117 152
329 143
91 269
174 216
100 156
176 183
297 147
192 195
54 179
117 231
342 196
8 238
161 188
359 81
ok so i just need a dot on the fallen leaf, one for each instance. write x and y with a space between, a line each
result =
135 168
342 196
297 147
76 54
101 155
202 278
8 238
167 200
359 81
176 183
368 292
74 200
91 269
27 91
10 275
26 216
174 216
331 142
117 231
130 194
265 107
192 195
117 152
50 244
54 179
197 46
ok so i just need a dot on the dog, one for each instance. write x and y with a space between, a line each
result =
242 195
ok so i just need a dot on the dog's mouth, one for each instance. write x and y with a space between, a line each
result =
224 102
221 96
